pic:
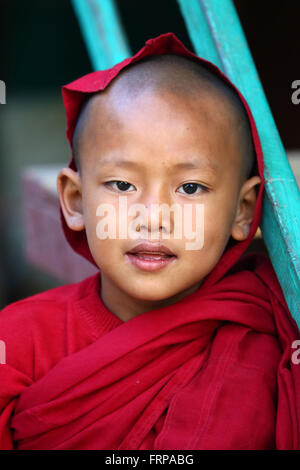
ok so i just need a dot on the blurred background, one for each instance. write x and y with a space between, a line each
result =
41 49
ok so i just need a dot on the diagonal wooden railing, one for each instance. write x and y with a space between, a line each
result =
103 33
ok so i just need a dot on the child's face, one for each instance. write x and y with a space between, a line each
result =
158 131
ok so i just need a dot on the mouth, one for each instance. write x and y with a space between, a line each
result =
149 261
150 257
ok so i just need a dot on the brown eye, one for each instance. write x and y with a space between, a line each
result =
122 186
192 188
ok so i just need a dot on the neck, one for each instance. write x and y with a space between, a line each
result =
126 307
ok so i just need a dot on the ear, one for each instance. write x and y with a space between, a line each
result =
69 190
246 209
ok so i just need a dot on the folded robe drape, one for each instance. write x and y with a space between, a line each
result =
213 371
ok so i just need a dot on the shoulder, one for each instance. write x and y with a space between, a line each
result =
36 305
238 385
259 265
243 348
36 326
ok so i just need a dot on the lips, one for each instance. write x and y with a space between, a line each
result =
151 251
151 257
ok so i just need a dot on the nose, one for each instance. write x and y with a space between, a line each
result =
158 216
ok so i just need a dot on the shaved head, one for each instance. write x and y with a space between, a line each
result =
182 77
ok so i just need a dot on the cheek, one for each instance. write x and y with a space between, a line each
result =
103 218
97 205
218 221
91 222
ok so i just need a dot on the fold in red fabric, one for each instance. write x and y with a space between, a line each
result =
212 371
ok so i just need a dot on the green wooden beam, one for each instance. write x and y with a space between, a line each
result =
102 31
217 35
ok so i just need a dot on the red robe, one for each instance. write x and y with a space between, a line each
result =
212 371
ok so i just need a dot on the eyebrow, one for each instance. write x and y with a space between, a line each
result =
202 164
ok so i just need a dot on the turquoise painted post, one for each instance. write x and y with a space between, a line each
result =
103 33
217 35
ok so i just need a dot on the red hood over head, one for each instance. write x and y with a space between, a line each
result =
74 95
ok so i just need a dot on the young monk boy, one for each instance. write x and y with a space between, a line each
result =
168 346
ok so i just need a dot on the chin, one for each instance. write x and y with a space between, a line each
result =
153 294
